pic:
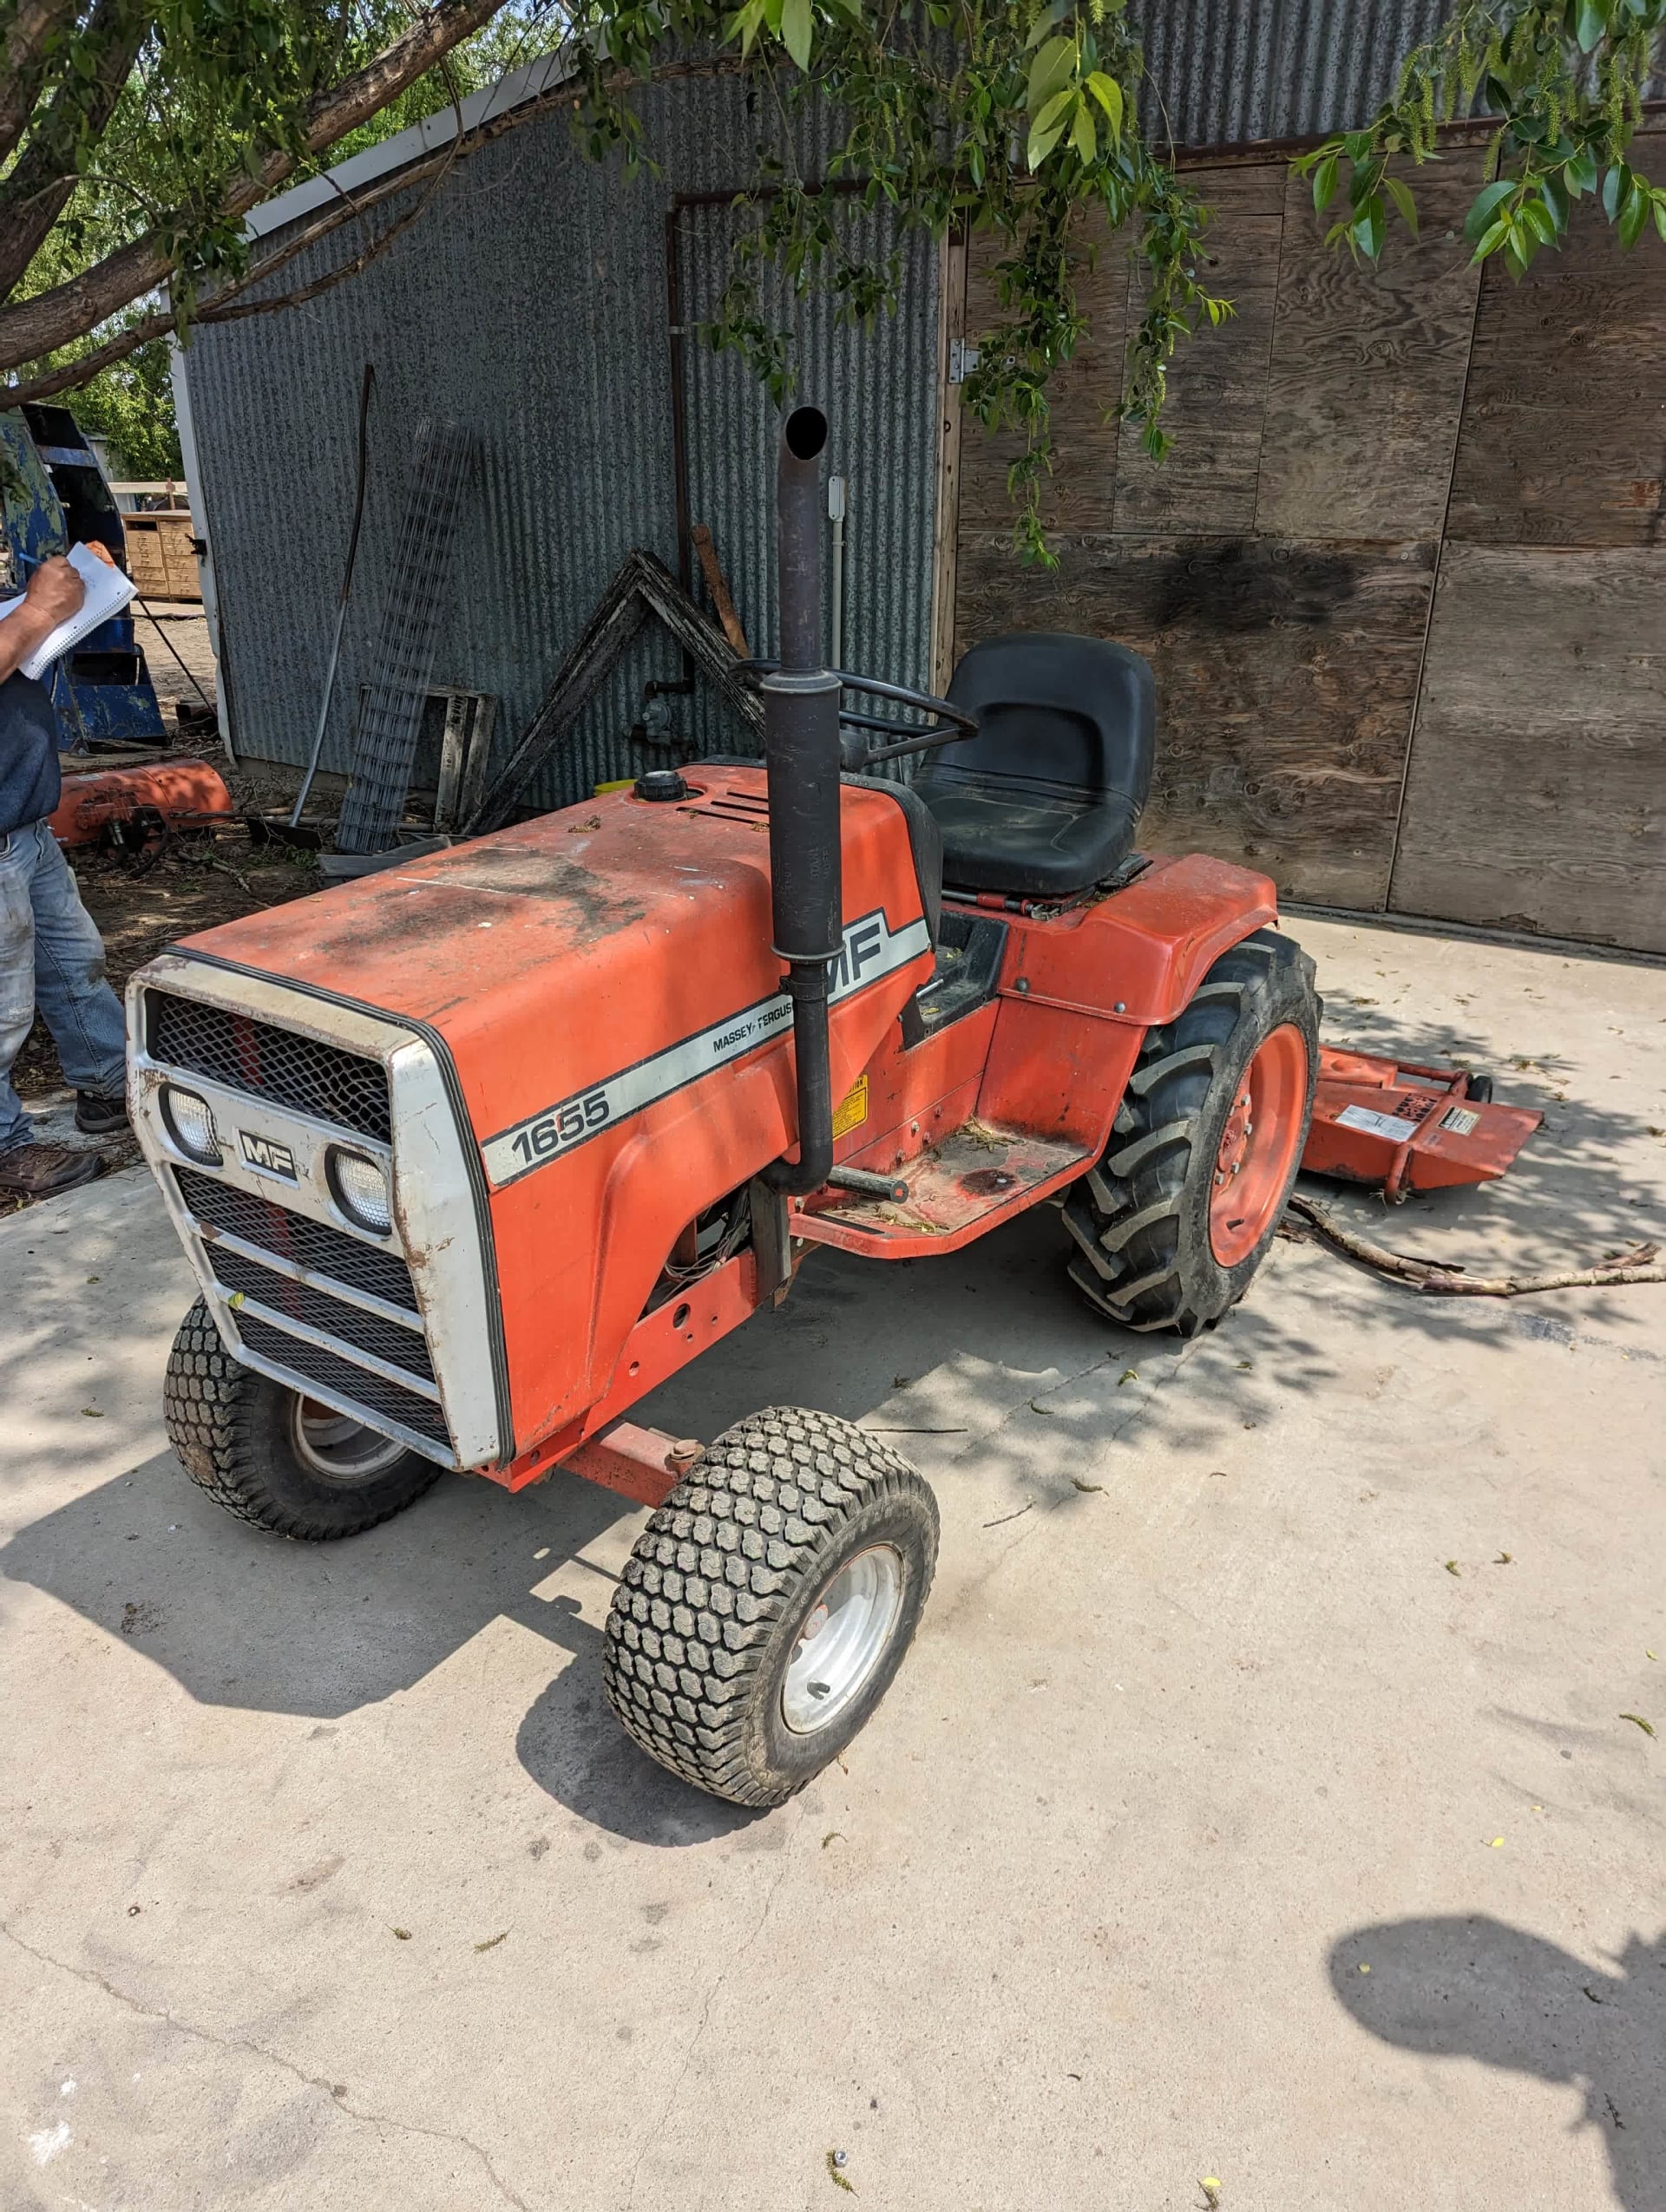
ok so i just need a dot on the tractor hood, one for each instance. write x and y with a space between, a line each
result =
558 955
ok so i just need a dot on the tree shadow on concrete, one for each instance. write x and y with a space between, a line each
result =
1571 1198
984 1365
1474 1987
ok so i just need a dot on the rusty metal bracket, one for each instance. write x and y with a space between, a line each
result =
643 1464
643 587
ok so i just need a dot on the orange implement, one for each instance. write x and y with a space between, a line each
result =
1408 1126
158 796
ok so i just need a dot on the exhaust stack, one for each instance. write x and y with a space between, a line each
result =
801 752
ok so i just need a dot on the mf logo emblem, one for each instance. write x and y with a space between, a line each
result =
267 1156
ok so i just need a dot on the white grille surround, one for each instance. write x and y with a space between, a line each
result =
399 1332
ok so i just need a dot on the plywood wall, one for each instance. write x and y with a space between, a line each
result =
1399 578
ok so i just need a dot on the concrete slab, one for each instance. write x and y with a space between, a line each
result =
1259 1803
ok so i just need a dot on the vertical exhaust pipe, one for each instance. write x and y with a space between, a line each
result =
801 753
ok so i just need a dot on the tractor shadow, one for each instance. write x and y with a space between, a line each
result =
245 1619
1474 1988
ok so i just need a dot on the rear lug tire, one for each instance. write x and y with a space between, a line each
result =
1217 1109
767 1605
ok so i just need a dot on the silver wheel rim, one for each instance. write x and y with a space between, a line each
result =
842 1639
335 1447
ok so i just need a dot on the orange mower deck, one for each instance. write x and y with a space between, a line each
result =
1409 1127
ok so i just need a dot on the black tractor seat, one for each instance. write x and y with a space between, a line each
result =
1043 801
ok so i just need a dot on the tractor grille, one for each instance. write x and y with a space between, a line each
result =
321 1080
357 1385
305 1302
310 1243
350 1093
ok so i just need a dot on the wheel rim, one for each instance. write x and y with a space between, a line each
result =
842 1639
335 1447
1258 1146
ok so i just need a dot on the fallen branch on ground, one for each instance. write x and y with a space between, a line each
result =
1634 1266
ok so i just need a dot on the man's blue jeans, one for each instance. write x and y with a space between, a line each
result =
51 956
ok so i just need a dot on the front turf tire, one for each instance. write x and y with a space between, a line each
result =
783 1516
1147 1256
235 1435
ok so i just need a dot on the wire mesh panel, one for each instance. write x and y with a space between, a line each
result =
296 1237
403 662
334 1316
357 1385
296 1071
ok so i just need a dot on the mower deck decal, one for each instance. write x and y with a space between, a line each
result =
871 949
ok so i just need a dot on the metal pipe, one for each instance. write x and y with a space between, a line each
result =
361 478
801 752
835 504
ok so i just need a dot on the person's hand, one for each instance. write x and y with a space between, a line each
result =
54 591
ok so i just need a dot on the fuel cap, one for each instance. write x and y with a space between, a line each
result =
661 783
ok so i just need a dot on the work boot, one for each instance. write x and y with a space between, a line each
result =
42 1170
96 1116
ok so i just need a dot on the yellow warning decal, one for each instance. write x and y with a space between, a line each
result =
853 1112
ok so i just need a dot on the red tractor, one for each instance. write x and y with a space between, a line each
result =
470 1154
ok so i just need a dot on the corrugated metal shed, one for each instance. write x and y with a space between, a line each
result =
1224 72
530 301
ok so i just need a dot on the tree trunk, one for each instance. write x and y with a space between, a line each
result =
34 195
33 327
23 66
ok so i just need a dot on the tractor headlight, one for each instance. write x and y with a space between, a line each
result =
191 1124
361 1191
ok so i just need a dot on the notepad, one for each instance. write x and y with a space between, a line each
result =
107 591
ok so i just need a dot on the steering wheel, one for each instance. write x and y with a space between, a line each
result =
856 752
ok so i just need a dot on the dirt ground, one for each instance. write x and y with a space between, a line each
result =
174 642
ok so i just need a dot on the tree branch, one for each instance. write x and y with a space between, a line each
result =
1634 1266
23 72
71 375
34 195
33 327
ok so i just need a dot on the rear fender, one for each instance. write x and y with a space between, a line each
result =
1079 991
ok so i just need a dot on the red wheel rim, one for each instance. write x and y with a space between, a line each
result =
1258 1146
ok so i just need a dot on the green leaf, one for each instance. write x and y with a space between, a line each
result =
1613 185
1399 194
1045 19
1659 204
1083 135
1051 68
1367 227
1633 215
1491 239
1049 126
798 31
1108 93
1324 184
746 24
1479 218
1590 22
